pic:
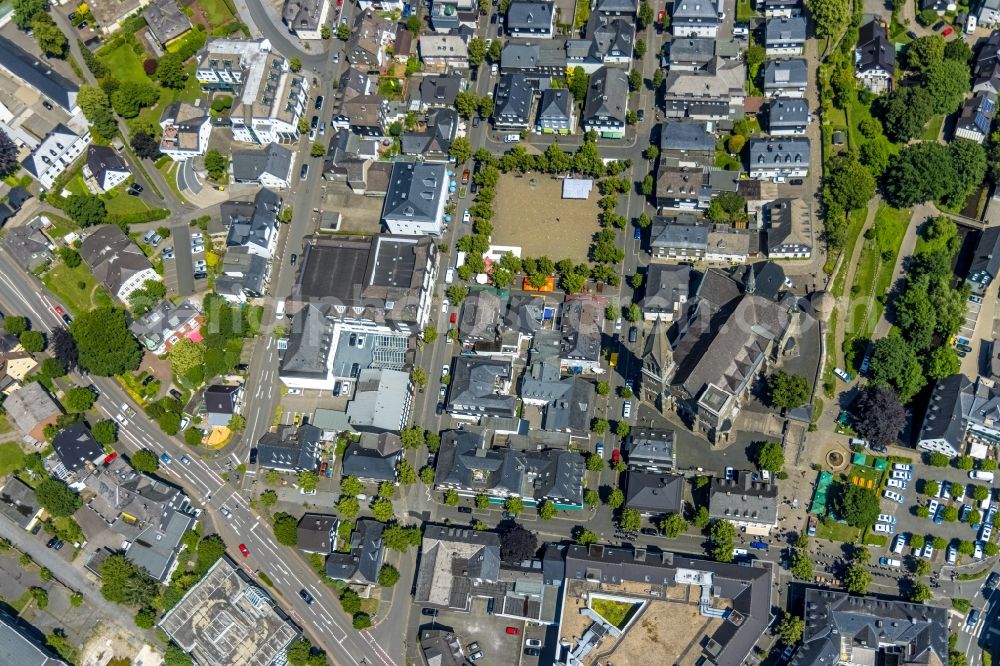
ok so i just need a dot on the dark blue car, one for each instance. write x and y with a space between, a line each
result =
759 545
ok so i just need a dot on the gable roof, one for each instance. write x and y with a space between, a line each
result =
667 287
785 30
530 15
414 191
250 165
76 447
874 51
28 245
31 409
17 645
221 399
166 20
153 327
113 257
18 503
103 159
364 560
580 327
440 89
474 385
289 448
313 533
607 95
37 73
255 228
743 497
654 493
785 73
779 151
515 93
569 401
374 457
556 105
450 559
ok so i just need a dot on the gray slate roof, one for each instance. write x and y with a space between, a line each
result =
414 190
374 457
166 20
102 159
36 72
258 227
874 50
314 533
651 446
440 89
474 382
785 73
363 562
18 647
779 152
743 498
607 95
515 92
153 327
650 492
785 30
526 16
290 449
250 165
666 287
680 232
556 105
76 447
450 559
569 401
112 256
787 112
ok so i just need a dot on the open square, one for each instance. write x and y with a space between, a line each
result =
532 214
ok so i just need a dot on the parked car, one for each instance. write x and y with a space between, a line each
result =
319 102
429 612
952 555
896 483
532 652
885 528
465 509
533 642
795 181
730 473
973 618
886 518
627 409
600 449
928 551
900 474
900 543
633 334
889 562
759 545
513 631
894 496
902 467
787 653
963 347
303 171
637 233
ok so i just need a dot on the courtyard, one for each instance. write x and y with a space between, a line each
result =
527 216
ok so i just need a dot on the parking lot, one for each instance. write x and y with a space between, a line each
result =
910 523
489 631
972 308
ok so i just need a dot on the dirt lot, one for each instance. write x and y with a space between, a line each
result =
645 636
531 213
362 215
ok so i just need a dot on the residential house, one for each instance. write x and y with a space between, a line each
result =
875 57
566 404
452 561
443 51
686 143
481 324
609 40
726 342
253 226
744 501
166 21
19 505
776 158
744 592
604 109
531 18
986 71
432 142
939 6
976 117
402 49
651 450
785 36
22 643
166 324
185 131
465 465
667 290
35 72
374 458
117 263
987 13
382 401
544 58
269 97
680 238
372 34
440 90
244 275
689 54
149 516
789 231
31 408
105 168
985 264
76 449
366 115
481 386
654 494
290 448
580 326
696 18
222 403
57 151
555 112
361 565
306 18
615 7
15 363
317 533
714 94
387 281
878 629
682 188
779 8
271 167
454 16
515 96
728 245
787 116
414 205
786 77
28 246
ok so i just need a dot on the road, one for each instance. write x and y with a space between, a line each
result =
327 626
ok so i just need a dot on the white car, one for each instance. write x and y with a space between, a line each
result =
901 475
627 409
932 508
600 450
121 419
445 370
885 528
466 216
903 467
985 532
894 496
512 138
952 556
928 550
896 483
897 547
886 518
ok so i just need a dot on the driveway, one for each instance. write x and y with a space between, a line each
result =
183 264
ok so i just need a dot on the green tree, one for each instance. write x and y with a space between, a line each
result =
126 583
317 149
591 497
857 579
216 164
790 628
286 529
905 111
769 456
722 535
622 429
916 541
57 498
947 82
405 473
451 497
32 341
673 525
25 12
595 463
144 461
351 486
97 108
546 510
477 51
829 16
460 149
874 154
630 520
344 30
105 432
382 510
85 209
584 536
400 538
848 184
616 498
924 51
577 82
427 475
308 480
513 505
802 565
105 346
268 498
858 506
788 391
361 621
388 575
170 71
50 38
78 400
15 325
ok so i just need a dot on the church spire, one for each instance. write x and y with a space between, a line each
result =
751 282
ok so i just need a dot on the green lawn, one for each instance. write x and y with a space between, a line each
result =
169 171
11 457
831 530
744 11
76 184
189 93
933 128
61 226
615 612
123 204
856 220
216 12
66 283
125 64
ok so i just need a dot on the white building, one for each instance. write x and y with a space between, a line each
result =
414 204
270 98
305 18
186 130
57 151
105 167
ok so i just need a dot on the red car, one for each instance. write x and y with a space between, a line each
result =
947 31
58 310
244 550
616 455
454 318
513 631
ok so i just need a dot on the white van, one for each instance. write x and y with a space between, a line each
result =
449 276
979 475
279 311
